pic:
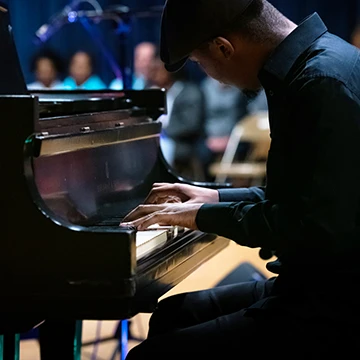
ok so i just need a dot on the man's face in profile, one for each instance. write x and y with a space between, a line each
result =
227 70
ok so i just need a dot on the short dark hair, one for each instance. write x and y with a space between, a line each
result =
258 22
51 55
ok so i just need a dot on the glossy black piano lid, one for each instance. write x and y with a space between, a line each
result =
12 79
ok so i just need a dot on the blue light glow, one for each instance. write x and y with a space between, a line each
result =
72 16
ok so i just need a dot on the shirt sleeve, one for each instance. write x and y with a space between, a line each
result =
326 208
253 194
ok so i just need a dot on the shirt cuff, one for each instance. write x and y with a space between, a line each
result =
238 194
213 218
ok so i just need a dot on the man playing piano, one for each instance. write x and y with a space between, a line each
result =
308 214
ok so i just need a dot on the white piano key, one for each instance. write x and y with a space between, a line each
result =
149 240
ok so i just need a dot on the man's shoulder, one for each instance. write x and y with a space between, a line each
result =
330 57
334 56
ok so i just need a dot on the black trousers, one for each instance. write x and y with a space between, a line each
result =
213 324
203 324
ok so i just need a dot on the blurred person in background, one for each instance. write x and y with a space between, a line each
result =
143 56
183 125
225 106
355 39
47 67
257 103
223 102
81 73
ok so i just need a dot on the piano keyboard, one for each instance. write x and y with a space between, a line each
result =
153 237
148 240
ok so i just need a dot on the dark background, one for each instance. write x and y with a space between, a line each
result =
28 15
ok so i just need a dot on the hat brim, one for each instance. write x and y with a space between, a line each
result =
177 66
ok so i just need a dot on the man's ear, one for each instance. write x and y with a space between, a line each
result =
224 46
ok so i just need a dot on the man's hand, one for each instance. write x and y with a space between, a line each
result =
164 214
171 193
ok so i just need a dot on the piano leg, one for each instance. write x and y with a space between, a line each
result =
56 339
10 347
78 340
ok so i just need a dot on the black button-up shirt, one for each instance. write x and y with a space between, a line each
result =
309 211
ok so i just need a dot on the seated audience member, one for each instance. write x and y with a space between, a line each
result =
143 56
183 125
81 74
224 106
47 67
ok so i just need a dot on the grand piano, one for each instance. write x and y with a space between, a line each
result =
74 163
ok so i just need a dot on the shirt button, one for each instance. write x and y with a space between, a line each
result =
271 93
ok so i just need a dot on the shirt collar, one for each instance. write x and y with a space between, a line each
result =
285 55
